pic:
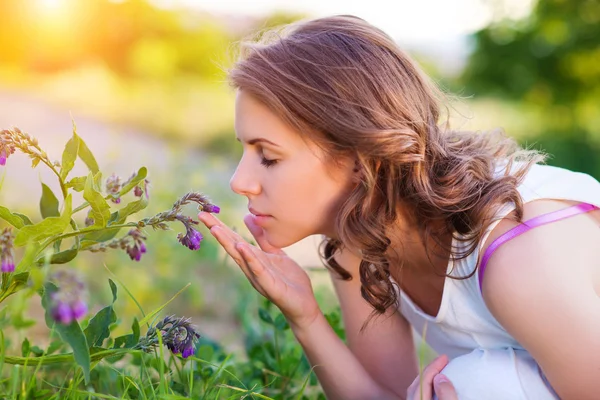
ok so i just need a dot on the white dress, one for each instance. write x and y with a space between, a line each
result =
486 362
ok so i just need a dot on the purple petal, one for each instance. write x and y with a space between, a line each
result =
188 351
142 247
62 313
211 208
7 265
79 309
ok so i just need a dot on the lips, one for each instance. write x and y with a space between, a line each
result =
256 213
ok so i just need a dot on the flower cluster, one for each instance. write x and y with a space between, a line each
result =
6 251
67 303
132 243
138 247
178 334
192 237
12 139
137 191
113 187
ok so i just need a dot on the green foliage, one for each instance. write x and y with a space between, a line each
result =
71 334
547 62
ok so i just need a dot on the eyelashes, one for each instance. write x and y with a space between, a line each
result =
267 163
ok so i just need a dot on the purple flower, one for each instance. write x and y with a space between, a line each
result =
7 260
138 192
138 247
211 208
179 335
62 313
188 351
67 304
134 252
8 265
113 187
191 239
3 156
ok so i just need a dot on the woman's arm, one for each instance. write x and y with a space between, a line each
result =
541 288
385 347
277 277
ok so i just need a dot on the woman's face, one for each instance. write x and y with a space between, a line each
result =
283 178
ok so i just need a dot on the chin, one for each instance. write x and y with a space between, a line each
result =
281 241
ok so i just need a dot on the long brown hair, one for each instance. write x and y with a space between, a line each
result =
345 85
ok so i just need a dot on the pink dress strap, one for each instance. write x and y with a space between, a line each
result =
528 225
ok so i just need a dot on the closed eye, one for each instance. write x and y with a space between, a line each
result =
267 163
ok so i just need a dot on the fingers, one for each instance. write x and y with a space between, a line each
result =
422 386
259 235
444 389
261 275
210 220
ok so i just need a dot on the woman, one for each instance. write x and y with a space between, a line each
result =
342 137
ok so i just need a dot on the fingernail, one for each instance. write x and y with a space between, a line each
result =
440 378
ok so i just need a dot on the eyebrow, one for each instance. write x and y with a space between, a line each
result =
258 140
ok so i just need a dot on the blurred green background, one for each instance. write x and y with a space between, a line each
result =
144 82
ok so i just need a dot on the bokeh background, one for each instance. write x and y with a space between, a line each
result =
144 82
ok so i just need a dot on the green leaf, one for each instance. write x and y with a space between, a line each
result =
100 208
140 176
77 183
69 156
47 227
98 328
28 257
48 203
25 347
131 208
25 218
11 218
36 351
86 155
113 289
265 316
281 323
131 339
59 258
71 334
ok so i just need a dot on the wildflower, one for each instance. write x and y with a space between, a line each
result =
5 151
67 303
191 239
138 191
178 334
89 221
7 262
211 208
138 247
113 187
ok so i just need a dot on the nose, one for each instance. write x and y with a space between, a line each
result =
244 181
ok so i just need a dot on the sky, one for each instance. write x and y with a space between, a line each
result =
437 29
411 21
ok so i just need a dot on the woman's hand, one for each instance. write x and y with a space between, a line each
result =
270 271
431 382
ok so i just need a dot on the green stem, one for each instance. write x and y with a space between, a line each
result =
63 188
61 358
51 240
81 207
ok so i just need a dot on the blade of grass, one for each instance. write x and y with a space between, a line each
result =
126 291
148 317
